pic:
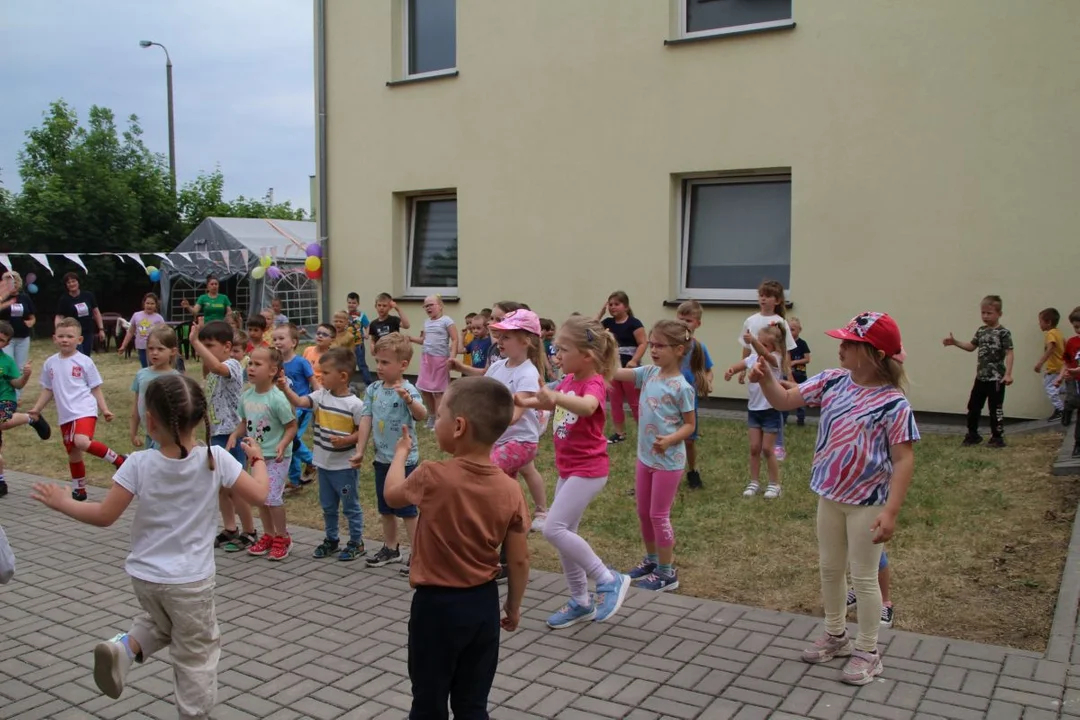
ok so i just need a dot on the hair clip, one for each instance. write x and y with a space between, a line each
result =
589 335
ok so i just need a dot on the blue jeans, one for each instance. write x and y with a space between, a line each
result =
301 453
237 452
341 485
143 362
361 363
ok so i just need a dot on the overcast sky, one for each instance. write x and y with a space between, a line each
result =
242 76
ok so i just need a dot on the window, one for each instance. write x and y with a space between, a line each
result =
432 263
299 296
430 37
720 17
736 232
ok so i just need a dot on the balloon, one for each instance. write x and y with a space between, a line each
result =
314 250
32 288
274 272
266 261
258 272
150 269
312 263
31 278
155 275
314 274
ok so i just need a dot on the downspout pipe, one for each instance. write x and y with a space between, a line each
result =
322 217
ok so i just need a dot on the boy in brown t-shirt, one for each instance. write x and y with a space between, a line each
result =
468 508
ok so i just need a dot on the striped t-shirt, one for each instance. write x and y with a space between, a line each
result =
334 417
859 425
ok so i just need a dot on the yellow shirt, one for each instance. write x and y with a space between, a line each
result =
1055 362
468 339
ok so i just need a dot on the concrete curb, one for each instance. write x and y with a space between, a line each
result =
1063 630
1066 464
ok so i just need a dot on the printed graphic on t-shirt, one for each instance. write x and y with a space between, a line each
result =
143 330
76 371
17 310
82 309
563 419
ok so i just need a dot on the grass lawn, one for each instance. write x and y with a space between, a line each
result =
978 553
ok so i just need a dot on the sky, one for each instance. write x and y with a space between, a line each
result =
243 82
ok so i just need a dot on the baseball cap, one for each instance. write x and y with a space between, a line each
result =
877 329
525 320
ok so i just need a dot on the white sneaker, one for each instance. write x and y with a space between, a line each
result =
538 523
751 489
780 453
111 663
772 492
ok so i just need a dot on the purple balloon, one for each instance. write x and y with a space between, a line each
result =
314 250
274 272
30 278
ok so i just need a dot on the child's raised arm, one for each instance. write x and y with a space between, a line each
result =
102 514
962 344
779 396
400 314
300 401
20 382
458 366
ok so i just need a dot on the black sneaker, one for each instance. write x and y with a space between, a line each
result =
404 572
1066 418
3 488
1076 454
241 542
1055 416
79 495
41 427
352 551
996 442
616 438
693 480
504 575
326 549
852 599
384 556
225 536
886 616
970 439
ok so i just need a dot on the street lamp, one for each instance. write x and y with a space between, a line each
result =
172 133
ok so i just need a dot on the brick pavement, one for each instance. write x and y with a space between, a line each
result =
332 645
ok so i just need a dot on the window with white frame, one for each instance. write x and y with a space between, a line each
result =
432 262
736 233
719 17
430 37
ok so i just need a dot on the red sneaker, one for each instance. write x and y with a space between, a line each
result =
279 548
262 546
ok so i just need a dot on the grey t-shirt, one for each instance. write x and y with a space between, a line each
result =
224 394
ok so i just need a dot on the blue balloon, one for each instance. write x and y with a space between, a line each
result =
32 288
155 275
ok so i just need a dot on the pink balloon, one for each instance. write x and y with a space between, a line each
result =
30 278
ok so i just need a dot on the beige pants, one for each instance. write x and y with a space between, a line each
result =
182 618
845 538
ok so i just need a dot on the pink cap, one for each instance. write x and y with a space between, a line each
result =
525 320
877 329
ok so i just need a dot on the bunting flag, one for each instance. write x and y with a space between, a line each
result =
244 257
43 259
5 261
137 258
164 257
224 256
75 259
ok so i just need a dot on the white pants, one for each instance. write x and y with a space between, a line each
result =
572 497
845 538
18 350
1052 392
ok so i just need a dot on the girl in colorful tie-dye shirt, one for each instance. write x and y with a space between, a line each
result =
863 462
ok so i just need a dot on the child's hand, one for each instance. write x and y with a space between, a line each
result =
26 370
543 400
456 365
230 443
49 494
357 459
34 413
883 527
136 441
1008 379
949 340
248 445
511 619
1057 383
728 374
747 338
661 444
393 305
761 373
403 393
282 382
279 451
107 414
340 441
742 377
404 443
1038 367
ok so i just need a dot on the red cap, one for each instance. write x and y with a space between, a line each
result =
878 329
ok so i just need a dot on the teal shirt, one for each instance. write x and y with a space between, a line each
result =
8 371
663 402
266 415
389 414
143 378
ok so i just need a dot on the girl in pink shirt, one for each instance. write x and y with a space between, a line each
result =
588 354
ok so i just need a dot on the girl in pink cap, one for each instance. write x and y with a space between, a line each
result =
862 468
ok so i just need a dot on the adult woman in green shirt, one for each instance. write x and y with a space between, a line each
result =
211 304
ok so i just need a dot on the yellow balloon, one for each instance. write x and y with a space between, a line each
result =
266 261
258 272
313 263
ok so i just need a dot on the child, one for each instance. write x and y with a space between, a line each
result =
667 421
238 352
800 359
337 413
324 338
439 340
630 334
884 575
498 311
1070 378
358 324
547 334
256 329
171 563
478 348
771 309
690 313
468 508
344 337
275 310
13 378
160 351
73 379
385 323
467 337
392 403
1052 360
225 378
267 417
763 421
588 355
300 376
861 470
993 372
139 329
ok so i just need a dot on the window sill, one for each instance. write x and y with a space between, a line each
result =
721 34
722 303
447 299
423 78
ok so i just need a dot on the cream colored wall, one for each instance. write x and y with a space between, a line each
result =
933 149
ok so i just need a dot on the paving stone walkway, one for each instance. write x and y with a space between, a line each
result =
325 640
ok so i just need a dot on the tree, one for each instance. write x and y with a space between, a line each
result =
205 197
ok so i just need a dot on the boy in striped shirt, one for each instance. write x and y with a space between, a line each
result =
337 414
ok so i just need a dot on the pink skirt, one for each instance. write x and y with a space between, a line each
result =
434 374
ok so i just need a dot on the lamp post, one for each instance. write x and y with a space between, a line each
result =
172 133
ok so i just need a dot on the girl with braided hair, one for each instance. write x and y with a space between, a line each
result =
171 562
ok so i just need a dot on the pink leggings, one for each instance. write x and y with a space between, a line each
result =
655 493
619 392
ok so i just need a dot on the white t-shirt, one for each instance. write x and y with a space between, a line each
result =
334 417
437 336
172 535
523 378
756 398
758 322
71 379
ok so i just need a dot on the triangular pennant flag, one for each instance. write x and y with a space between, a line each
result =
5 261
76 259
186 256
137 258
203 255
225 257
244 256
122 260
43 259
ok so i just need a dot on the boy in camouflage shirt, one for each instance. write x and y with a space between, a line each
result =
993 372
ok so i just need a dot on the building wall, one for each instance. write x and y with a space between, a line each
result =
932 147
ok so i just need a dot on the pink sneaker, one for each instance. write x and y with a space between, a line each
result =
862 668
826 647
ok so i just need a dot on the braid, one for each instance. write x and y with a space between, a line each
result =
206 424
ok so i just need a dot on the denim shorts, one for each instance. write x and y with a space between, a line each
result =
381 469
767 420
884 562
237 452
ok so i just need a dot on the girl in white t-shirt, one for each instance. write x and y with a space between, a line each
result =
772 310
762 420
171 562
439 341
